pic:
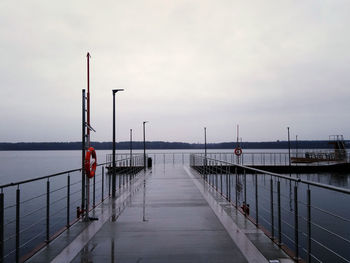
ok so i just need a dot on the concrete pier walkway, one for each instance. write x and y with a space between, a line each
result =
168 215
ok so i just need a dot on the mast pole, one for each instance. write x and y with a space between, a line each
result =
88 96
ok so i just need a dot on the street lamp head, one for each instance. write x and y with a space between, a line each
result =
116 90
145 122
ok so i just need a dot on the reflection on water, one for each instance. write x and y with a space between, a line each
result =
336 179
112 250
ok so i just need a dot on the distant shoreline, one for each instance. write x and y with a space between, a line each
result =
160 145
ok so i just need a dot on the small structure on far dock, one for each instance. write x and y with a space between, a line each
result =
339 154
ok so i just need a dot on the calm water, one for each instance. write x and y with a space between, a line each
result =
21 165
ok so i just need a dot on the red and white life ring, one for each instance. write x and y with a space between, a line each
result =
238 151
90 166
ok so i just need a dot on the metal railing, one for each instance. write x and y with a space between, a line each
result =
33 212
269 158
158 157
308 218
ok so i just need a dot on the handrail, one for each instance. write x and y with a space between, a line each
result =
18 222
51 175
298 180
294 231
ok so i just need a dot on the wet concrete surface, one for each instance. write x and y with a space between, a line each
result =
180 227
167 219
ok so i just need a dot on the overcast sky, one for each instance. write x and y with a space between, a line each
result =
264 65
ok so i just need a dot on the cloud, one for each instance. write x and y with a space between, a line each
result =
184 65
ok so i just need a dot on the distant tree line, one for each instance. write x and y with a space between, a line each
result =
30 146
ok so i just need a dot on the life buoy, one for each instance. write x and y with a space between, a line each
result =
238 151
90 167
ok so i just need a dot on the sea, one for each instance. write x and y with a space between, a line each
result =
16 166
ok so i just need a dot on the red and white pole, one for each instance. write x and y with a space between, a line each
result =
88 97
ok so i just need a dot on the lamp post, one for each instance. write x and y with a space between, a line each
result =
288 145
114 175
144 145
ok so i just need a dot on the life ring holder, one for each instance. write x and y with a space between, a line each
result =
90 167
238 151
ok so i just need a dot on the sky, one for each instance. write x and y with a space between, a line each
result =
184 65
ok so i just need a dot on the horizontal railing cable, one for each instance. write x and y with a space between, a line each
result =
33 212
33 238
31 225
330 250
331 214
33 198
331 232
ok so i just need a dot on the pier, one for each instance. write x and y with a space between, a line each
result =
186 207
169 214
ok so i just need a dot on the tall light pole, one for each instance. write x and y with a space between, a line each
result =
144 145
288 145
114 175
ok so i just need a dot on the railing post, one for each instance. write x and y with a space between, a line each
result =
103 182
18 194
308 225
68 200
256 201
271 209
221 172
47 211
216 175
109 184
1 226
227 182
94 191
296 223
236 190
245 192
229 185
264 158
279 212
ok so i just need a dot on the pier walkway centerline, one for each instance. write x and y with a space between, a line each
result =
169 215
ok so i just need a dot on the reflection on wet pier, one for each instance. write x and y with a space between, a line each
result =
169 214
